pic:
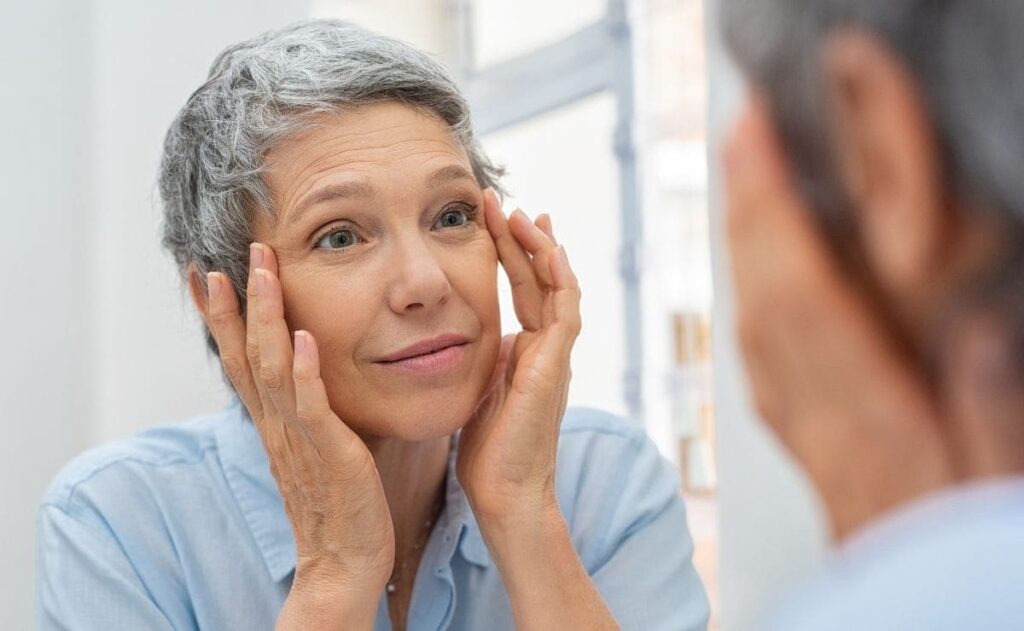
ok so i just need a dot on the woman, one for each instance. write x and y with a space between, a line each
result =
390 461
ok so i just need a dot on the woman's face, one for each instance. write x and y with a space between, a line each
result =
385 259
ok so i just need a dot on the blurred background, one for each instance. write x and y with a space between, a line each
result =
605 113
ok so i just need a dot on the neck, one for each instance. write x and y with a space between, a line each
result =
975 433
413 476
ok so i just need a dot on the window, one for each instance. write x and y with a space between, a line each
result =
599 113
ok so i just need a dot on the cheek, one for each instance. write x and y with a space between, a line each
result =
322 303
475 277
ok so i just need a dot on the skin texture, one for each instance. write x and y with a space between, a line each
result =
402 283
838 360
406 248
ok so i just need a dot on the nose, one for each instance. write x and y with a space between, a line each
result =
419 282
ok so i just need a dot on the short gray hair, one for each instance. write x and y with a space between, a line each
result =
965 55
266 89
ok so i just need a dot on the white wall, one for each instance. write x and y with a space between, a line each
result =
97 339
770 523
43 277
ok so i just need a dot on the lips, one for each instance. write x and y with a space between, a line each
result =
425 348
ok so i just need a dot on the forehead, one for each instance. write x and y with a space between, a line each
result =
366 139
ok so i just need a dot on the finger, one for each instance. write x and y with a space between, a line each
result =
546 365
257 256
312 406
544 223
537 244
501 365
565 298
527 297
275 349
225 322
541 248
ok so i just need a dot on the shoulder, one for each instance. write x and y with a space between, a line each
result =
139 460
611 472
905 576
601 429
592 441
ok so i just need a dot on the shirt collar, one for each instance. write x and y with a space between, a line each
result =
460 518
247 472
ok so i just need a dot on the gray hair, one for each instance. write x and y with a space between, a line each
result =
966 57
264 90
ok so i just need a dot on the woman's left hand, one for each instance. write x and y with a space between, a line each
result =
506 461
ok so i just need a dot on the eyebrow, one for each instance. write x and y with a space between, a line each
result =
346 190
447 174
363 190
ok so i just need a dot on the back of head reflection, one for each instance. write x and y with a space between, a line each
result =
877 228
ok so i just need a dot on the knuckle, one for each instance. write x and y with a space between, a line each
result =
360 458
572 325
576 327
220 319
304 377
308 414
271 377
235 369
252 350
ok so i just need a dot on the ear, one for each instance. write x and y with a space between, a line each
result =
197 288
889 159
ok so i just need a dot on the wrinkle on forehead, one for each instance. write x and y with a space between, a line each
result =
363 140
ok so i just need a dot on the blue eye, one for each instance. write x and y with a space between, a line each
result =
454 218
337 240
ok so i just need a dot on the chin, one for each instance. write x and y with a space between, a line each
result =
418 418
431 424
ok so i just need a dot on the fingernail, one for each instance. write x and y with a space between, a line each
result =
300 342
255 256
212 286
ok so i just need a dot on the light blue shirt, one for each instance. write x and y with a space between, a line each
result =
953 561
182 527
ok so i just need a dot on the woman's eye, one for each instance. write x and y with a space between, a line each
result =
337 240
453 219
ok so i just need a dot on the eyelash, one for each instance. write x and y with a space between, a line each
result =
470 210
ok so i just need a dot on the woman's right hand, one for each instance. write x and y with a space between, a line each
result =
327 478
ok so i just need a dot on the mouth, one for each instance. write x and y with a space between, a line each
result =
433 355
